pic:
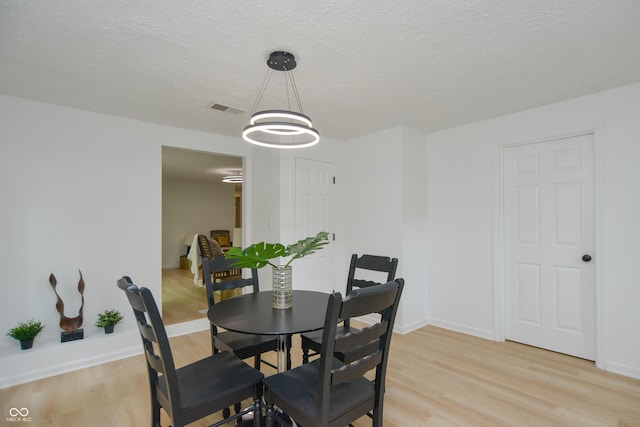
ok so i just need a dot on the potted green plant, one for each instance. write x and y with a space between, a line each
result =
260 255
108 319
25 332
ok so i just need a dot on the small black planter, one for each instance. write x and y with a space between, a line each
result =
26 344
108 329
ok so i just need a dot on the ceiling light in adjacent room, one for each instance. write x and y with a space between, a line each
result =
233 179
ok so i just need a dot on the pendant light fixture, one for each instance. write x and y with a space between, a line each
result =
280 128
232 179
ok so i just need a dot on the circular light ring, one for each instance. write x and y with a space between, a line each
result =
280 128
280 115
233 179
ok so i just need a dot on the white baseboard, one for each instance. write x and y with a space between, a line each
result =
481 333
50 357
187 327
405 329
619 368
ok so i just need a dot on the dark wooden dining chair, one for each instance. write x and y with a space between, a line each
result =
198 389
207 248
242 345
312 341
327 391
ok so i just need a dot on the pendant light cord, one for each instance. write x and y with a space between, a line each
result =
265 83
292 83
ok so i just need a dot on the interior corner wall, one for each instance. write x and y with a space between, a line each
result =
385 207
414 313
373 199
81 190
462 190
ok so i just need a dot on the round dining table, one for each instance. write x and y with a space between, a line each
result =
253 314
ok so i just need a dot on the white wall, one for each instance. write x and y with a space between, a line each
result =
193 207
265 226
373 194
79 190
385 210
462 187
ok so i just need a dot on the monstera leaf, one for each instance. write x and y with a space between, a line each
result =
307 246
259 255
256 255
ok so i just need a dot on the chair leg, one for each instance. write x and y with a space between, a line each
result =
256 362
377 417
305 355
269 418
214 350
155 414
257 413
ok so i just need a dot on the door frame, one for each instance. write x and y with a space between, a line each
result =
499 246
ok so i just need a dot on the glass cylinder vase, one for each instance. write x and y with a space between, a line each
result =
282 289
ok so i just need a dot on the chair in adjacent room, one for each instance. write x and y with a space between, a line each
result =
223 237
242 345
327 391
196 390
207 248
312 341
210 248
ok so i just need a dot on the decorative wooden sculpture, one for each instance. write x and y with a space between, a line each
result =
70 325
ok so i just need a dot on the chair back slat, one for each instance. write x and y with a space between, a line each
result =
204 246
210 267
133 295
357 369
147 332
230 276
360 283
361 337
369 263
371 302
154 360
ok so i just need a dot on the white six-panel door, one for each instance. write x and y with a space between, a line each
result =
549 228
314 213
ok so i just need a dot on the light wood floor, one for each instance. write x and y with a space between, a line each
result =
435 378
182 300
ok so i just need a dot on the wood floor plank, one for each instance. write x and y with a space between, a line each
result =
182 300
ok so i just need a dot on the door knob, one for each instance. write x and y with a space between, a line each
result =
586 258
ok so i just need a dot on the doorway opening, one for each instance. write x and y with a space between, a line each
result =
194 201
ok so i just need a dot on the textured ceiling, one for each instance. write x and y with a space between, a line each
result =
191 165
363 66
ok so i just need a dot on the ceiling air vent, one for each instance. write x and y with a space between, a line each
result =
226 108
